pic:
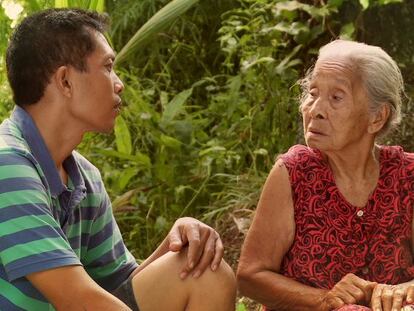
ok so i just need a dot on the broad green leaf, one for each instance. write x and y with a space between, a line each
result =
161 20
33 5
347 31
61 3
170 141
261 151
122 136
138 158
385 2
286 62
214 149
241 307
97 5
126 176
364 3
176 105
290 5
335 3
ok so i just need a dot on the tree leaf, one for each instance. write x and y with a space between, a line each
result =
170 141
122 136
137 158
364 3
162 19
61 3
97 5
347 31
176 105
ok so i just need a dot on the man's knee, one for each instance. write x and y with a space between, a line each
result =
223 277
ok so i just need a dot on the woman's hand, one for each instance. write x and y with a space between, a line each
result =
392 297
349 290
205 247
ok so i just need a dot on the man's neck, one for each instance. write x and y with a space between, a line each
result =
60 138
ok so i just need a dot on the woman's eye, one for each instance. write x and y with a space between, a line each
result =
337 97
108 67
313 94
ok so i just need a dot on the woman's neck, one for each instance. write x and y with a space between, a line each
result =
356 173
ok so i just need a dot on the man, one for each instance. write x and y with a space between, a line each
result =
59 244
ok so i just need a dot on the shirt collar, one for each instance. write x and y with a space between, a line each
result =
41 153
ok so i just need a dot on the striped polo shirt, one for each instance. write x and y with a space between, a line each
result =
46 224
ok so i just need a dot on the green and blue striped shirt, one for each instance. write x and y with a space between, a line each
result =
45 224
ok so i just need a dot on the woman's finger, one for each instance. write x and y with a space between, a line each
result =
398 298
376 303
386 298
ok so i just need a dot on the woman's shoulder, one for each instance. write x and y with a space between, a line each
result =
391 153
301 153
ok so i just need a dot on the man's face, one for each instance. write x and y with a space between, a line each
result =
96 92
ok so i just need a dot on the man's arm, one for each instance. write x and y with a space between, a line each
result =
70 288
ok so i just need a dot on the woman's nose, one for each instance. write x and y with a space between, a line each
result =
317 110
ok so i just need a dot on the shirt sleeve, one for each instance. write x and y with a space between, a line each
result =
107 260
31 240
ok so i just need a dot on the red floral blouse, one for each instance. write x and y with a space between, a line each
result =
334 238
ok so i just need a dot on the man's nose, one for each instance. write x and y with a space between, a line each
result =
119 86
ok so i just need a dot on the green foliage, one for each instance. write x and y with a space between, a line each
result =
211 98
150 29
96 5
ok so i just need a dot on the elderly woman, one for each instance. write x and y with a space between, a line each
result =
333 227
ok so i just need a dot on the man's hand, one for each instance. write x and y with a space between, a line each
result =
391 297
349 290
205 247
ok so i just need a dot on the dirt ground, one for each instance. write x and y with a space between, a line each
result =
233 236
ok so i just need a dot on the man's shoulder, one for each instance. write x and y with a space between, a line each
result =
14 149
87 169
11 139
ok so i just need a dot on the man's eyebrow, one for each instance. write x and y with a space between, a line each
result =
110 56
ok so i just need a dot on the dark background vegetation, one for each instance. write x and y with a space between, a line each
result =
212 99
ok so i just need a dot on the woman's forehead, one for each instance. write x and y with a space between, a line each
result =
337 69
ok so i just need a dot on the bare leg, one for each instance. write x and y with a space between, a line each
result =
158 287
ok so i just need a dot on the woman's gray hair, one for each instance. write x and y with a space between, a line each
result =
379 73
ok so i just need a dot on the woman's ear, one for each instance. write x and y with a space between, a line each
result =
61 79
378 119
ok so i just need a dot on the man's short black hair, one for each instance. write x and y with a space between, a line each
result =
45 41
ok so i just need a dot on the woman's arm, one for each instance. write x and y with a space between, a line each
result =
268 240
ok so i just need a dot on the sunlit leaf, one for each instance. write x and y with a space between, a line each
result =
364 3
97 5
61 3
347 31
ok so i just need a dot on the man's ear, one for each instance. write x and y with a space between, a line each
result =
62 81
378 119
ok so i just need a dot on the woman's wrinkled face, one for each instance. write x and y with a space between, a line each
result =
335 110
